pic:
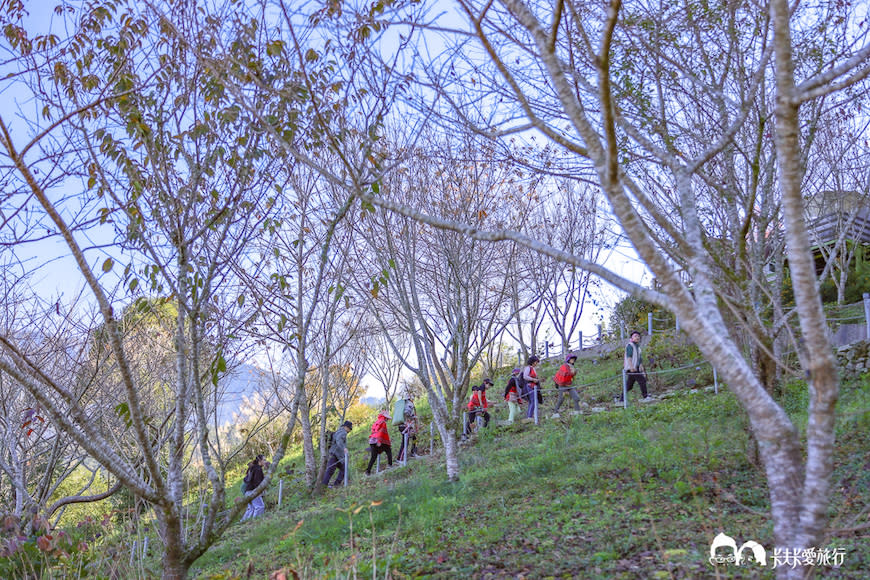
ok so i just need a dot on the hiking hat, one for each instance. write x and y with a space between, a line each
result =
386 414
570 356
486 381
515 372
347 424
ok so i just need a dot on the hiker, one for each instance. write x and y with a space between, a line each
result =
564 380
478 405
408 426
512 395
632 366
337 454
253 478
379 442
533 385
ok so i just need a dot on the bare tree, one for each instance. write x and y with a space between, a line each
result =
565 72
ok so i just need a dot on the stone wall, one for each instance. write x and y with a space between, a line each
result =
853 359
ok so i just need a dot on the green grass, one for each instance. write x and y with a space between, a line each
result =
624 494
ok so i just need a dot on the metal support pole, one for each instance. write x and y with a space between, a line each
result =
867 313
621 331
625 386
649 323
600 332
581 340
547 349
280 491
132 552
677 323
346 466
715 381
145 546
535 395
404 449
465 424
378 464
431 437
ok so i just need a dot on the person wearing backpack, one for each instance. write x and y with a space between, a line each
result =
253 478
337 455
478 405
512 395
408 426
564 379
379 442
533 385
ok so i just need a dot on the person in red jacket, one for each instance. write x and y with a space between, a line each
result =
379 442
478 405
564 380
513 396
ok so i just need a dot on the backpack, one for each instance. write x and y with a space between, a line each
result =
563 377
330 439
244 487
521 382
399 411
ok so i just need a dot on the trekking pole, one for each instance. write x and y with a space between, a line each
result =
464 424
715 381
346 466
404 449
624 389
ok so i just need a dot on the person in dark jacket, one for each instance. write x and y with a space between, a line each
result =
337 454
253 478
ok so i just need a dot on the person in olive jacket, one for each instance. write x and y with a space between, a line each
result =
337 454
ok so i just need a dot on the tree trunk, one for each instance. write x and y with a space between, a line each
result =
174 566
451 453
307 442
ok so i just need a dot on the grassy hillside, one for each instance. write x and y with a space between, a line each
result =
612 494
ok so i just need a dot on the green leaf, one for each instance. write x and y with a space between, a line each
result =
107 265
241 300
123 411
